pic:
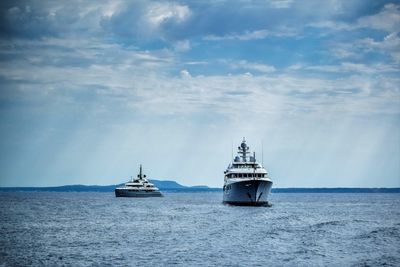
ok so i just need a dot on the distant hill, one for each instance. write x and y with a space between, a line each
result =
162 185
167 184
173 186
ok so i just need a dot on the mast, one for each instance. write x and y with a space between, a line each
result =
140 173
243 150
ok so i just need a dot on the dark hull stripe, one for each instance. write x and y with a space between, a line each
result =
248 192
124 193
256 204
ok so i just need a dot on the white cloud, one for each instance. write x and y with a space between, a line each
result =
348 68
254 35
243 64
159 13
280 3
140 80
332 25
247 35
185 74
182 46
390 45
357 49
111 7
388 19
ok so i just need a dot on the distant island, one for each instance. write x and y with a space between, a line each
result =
162 185
173 186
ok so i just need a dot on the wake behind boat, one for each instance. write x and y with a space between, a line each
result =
139 187
246 182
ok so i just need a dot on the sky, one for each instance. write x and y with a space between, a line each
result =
91 89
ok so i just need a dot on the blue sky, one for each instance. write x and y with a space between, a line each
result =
91 89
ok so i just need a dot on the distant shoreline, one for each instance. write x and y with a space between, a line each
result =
175 187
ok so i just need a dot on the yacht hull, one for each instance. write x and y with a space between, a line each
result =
251 192
136 193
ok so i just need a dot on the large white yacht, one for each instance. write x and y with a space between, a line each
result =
139 187
246 181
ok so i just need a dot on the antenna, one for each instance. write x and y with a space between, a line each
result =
262 153
232 149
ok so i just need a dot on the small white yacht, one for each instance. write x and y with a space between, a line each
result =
139 187
246 181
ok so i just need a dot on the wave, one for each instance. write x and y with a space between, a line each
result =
380 261
328 223
381 232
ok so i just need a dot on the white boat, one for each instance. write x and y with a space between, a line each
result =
139 187
246 181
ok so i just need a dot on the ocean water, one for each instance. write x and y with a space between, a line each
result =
196 229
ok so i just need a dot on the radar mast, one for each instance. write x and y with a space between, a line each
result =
243 150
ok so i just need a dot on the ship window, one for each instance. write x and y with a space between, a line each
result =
245 175
240 175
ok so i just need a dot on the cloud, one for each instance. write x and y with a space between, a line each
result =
281 3
349 68
185 74
136 89
253 35
388 19
164 12
25 19
243 64
105 76
182 46
147 21
389 45
359 49
221 20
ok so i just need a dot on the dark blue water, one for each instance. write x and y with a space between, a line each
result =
195 229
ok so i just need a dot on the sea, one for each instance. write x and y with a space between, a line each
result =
196 229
